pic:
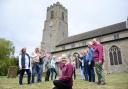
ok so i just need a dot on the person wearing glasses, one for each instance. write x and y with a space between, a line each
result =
65 81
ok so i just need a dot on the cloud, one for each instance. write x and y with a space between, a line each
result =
22 21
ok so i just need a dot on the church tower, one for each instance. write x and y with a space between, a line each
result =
55 27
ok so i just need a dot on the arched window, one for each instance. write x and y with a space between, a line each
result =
62 16
115 55
76 56
52 14
63 34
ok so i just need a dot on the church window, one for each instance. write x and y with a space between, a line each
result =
62 16
52 14
116 36
73 45
50 35
63 47
63 34
99 39
115 55
76 58
83 43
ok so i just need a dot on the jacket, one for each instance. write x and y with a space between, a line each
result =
90 54
67 71
98 53
24 64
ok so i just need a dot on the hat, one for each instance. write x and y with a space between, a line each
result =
89 43
64 57
54 56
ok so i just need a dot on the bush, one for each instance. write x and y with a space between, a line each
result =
4 65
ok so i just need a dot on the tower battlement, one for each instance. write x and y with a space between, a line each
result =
56 4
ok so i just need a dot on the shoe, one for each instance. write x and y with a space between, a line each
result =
103 83
29 83
32 82
99 82
39 81
21 83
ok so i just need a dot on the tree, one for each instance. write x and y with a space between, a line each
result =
7 48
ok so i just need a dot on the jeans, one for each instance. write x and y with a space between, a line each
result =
47 74
22 73
82 72
36 69
41 69
59 84
86 71
91 73
53 70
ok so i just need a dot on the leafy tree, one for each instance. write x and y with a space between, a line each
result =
7 48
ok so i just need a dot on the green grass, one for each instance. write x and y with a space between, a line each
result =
114 81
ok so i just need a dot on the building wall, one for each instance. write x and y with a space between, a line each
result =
109 40
123 48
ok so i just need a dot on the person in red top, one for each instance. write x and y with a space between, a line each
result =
65 81
99 60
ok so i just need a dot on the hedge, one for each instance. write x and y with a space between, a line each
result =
4 65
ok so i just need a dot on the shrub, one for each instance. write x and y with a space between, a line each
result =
4 65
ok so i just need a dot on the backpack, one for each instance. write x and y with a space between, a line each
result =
41 60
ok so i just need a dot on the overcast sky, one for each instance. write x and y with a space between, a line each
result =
21 21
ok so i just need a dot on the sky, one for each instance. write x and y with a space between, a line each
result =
22 21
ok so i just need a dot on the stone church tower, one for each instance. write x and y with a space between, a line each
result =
55 27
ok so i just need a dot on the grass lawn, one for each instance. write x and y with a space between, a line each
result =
114 81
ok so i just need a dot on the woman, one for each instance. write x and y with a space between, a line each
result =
81 62
36 68
24 65
65 81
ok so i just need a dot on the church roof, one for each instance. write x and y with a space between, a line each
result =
94 33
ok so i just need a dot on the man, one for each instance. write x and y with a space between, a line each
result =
85 64
82 67
41 62
24 65
99 60
90 62
53 67
65 81
74 67
47 65
36 68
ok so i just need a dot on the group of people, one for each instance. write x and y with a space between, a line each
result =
91 60
63 66
37 61
34 65
25 63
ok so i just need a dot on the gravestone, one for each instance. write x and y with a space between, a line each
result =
12 72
